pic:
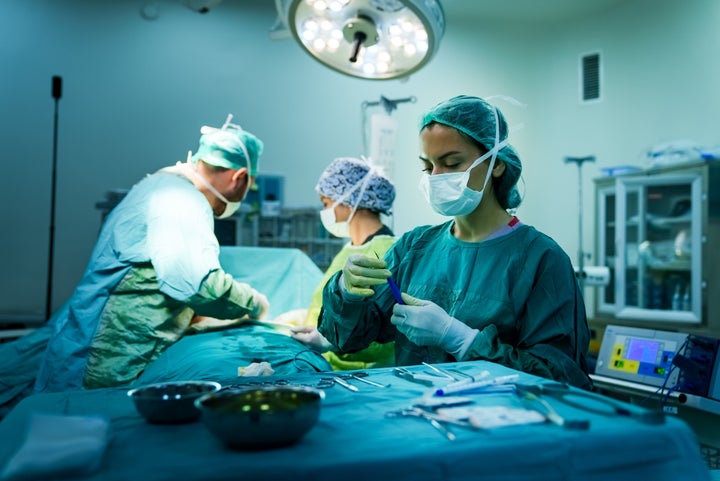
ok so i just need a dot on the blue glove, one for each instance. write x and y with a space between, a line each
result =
427 324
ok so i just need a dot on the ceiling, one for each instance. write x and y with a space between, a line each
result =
524 11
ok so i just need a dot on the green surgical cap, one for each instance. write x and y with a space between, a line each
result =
228 147
475 117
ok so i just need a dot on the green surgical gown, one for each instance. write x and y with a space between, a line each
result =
518 290
376 354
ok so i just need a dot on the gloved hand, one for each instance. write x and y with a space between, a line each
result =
311 337
360 272
427 324
260 305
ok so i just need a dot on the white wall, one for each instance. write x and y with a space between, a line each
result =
136 92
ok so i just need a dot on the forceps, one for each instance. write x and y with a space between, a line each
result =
437 421
408 375
360 376
563 393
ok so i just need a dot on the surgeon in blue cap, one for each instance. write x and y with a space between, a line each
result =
481 286
155 269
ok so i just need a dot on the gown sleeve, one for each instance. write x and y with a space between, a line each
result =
551 325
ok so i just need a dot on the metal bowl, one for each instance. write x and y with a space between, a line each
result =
261 417
171 402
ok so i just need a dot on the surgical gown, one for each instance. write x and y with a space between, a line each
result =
376 354
518 290
154 266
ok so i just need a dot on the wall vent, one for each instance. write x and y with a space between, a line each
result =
590 77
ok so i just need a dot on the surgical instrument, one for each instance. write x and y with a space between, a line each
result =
529 395
393 287
440 371
408 375
360 376
477 386
345 384
434 420
395 290
563 393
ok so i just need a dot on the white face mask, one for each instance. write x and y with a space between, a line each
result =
329 221
327 216
449 194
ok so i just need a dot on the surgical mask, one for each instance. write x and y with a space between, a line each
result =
449 194
230 207
327 216
331 224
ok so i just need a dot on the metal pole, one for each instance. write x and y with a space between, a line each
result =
581 252
56 93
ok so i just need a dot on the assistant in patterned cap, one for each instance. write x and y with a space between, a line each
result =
354 193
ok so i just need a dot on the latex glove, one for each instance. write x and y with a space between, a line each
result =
311 337
260 305
361 272
427 324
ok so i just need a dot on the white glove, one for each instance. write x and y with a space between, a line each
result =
361 272
311 337
260 305
427 324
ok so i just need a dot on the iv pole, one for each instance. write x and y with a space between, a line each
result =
581 253
56 93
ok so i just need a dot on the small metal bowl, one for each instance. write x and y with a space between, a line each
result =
171 402
261 417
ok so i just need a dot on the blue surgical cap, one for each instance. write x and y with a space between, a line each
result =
229 147
344 173
475 118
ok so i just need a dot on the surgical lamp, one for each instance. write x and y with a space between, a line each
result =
370 39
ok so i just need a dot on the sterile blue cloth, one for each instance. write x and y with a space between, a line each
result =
58 446
287 276
355 439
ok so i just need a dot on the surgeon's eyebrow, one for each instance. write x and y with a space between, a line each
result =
442 157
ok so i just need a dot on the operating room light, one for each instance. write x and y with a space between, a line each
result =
371 39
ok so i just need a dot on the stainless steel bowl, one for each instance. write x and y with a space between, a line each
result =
171 402
261 417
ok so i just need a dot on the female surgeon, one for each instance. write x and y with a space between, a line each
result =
482 285
354 194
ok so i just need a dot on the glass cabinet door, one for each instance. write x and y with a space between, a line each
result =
658 248
606 252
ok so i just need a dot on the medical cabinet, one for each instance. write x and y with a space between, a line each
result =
658 233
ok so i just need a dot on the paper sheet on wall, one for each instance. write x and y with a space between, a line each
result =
383 137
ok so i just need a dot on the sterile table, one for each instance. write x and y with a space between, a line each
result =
354 440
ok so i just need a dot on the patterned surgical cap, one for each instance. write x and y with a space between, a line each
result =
344 173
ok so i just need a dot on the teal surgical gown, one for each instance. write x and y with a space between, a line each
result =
155 266
518 290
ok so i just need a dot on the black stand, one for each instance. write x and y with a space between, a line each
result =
56 93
